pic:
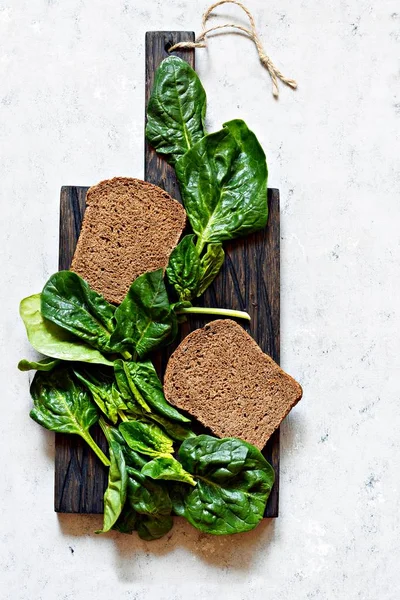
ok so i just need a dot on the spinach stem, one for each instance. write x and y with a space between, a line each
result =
200 245
122 416
89 440
127 355
103 426
223 312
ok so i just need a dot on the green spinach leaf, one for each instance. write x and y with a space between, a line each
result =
61 405
146 496
49 339
69 302
210 266
103 390
183 270
115 494
46 364
153 527
233 484
176 431
145 378
127 386
145 320
223 180
127 521
146 438
167 467
176 110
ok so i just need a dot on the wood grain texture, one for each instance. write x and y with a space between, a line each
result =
80 478
249 280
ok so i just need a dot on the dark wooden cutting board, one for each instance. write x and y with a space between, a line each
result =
249 280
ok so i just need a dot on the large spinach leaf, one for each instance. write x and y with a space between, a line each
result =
233 484
223 180
176 109
69 302
62 405
145 320
49 339
115 494
104 391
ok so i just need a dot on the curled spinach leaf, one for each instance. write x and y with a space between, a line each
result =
46 364
145 378
176 109
61 405
145 320
52 340
233 484
223 180
103 390
115 494
126 384
146 438
176 431
69 302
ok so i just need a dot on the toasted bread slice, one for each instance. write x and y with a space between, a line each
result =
129 227
220 375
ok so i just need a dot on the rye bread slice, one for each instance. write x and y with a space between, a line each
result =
220 376
129 227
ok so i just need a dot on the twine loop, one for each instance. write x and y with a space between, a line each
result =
201 42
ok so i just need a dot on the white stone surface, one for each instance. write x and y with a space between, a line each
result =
71 112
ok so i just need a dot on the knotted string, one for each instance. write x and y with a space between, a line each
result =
201 42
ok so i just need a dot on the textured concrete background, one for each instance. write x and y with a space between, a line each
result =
71 112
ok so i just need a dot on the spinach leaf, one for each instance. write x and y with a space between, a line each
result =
175 430
152 504
210 266
146 496
223 180
132 458
46 364
146 438
49 339
176 110
104 392
115 494
127 520
145 378
127 387
62 405
167 467
69 302
233 484
183 270
153 527
145 320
